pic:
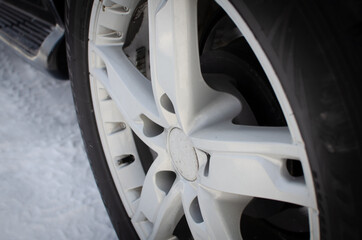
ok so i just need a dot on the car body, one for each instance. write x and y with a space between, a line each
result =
35 29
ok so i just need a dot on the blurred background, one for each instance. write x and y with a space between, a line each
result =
47 190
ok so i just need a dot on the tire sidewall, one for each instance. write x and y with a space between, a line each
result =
77 24
321 77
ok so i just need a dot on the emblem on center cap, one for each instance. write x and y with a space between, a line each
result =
183 154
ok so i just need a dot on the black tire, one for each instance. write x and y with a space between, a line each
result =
316 51
77 22
315 48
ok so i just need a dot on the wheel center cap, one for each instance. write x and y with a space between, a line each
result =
183 154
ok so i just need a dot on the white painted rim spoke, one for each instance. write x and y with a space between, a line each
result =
131 92
127 86
227 137
222 213
196 224
152 196
178 115
256 176
174 43
169 214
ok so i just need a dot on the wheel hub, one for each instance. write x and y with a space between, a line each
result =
183 154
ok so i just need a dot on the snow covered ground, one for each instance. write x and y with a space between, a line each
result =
47 189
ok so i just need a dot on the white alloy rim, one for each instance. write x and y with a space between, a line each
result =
206 168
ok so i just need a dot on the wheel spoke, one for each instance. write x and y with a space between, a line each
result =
131 93
227 137
250 160
196 223
169 214
153 191
257 176
222 212
127 86
175 66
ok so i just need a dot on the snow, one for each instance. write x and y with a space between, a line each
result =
47 190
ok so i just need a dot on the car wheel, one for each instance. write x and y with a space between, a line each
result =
220 119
